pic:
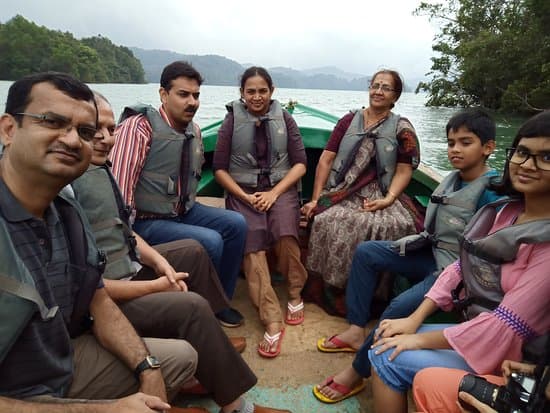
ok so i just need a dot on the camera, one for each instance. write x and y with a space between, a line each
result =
512 398
523 393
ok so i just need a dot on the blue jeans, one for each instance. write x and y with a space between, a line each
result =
370 258
399 373
221 232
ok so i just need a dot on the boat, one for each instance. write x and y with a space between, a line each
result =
315 127
276 386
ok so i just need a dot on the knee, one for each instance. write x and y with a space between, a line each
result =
365 250
199 303
180 367
238 223
213 243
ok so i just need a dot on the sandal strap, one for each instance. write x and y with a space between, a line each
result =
272 339
295 308
340 388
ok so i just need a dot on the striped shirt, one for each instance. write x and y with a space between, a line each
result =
133 139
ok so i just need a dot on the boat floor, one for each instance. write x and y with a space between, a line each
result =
286 381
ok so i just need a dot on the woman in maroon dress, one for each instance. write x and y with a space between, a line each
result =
259 159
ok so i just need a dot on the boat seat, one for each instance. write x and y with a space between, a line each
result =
422 200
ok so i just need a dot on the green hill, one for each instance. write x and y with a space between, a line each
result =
28 48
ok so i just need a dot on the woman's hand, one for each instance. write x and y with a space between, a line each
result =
264 200
371 206
509 366
389 328
308 208
472 401
399 343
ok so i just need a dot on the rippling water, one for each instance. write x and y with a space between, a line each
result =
428 122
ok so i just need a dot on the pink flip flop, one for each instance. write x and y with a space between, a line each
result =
345 391
292 309
339 346
278 337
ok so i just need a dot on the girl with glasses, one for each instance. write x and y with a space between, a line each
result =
500 284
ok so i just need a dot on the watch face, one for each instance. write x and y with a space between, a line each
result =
153 362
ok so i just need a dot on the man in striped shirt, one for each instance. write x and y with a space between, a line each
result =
157 161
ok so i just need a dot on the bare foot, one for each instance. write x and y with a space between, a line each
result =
354 336
298 314
347 377
271 329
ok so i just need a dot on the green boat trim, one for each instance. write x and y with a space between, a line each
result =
315 127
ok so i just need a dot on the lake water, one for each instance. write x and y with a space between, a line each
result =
429 122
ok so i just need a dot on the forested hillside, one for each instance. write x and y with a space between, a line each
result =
26 48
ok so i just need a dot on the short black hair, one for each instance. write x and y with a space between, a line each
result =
537 126
19 92
177 69
257 71
477 121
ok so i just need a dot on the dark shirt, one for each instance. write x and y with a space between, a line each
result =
41 359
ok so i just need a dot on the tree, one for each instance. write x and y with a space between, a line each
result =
27 48
493 53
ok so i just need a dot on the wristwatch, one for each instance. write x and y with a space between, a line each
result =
150 362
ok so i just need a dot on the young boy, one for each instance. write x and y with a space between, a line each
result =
421 257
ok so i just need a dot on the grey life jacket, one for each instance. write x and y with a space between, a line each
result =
157 189
99 195
385 139
482 255
448 212
19 298
243 166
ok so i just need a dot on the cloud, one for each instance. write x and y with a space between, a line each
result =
357 37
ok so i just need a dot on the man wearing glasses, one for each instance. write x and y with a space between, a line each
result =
51 291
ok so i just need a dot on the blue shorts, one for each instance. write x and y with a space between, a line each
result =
399 373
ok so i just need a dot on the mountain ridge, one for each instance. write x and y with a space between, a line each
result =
220 70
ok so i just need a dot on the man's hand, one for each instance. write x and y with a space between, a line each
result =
163 269
472 401
163 284
138 403
152 383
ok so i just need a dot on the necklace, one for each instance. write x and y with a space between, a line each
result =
372 120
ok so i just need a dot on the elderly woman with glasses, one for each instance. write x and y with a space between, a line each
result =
359 182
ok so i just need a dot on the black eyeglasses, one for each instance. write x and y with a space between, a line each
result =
383 88
57 122
520 155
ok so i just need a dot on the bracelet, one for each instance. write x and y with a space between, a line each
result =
392 194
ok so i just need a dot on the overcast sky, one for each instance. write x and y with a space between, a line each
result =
355 36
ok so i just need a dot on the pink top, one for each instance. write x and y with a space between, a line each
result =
132 143
491 337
